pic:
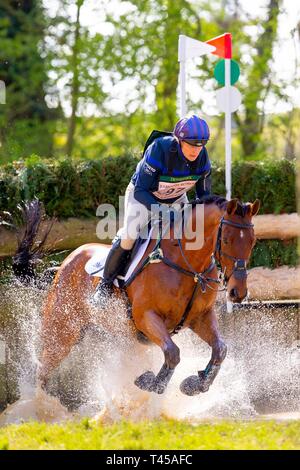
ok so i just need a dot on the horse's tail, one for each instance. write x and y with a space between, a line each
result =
29 250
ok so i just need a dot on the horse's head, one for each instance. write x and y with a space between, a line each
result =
234 245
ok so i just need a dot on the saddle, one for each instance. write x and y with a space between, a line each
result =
95 265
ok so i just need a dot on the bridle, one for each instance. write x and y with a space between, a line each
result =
202 279
240 264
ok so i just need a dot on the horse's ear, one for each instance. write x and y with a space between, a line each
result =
255 207
231 206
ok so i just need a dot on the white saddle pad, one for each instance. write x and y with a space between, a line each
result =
95 265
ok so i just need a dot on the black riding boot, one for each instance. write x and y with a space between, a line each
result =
115 263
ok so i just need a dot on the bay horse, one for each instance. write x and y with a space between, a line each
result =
177 292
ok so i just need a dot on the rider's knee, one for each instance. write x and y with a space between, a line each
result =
127 244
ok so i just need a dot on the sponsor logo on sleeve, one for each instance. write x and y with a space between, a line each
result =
149 169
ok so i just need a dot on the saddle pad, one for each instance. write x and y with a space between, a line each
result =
95 265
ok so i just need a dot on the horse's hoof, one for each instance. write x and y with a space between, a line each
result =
146 381
158 388
192 385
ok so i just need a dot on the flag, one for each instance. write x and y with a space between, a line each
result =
223 45
189 47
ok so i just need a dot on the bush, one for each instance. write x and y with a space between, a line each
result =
72 188
274 253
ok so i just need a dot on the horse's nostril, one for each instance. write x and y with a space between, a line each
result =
233 293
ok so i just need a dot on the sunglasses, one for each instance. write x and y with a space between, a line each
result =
196 143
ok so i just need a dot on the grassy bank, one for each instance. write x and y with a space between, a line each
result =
163 434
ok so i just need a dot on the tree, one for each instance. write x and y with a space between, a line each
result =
145 48
25 116
75 80
259 83
76 63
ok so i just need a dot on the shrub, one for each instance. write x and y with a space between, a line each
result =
70 188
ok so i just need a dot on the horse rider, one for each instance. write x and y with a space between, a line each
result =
172 164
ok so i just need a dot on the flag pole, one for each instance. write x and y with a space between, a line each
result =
182 74
227 131
229 305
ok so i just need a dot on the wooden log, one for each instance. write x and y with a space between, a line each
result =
70 233
65 235
283 226
274 284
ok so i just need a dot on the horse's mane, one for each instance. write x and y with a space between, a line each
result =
221 202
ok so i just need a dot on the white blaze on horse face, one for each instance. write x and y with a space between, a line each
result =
241 233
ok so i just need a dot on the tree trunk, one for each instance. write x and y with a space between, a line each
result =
75 83
165 89
250 128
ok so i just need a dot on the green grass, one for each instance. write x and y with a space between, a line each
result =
160 434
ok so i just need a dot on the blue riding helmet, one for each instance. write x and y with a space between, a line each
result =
192 130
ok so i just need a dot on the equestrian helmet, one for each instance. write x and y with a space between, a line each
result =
192 130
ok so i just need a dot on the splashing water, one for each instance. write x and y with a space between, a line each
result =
259 375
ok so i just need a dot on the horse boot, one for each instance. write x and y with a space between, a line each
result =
115 262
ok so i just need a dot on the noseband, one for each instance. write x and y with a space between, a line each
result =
240 264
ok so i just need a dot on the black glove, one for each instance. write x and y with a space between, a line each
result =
168 214
204 197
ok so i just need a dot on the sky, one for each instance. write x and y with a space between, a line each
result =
284 66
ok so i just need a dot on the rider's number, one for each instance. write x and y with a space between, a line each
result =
168 190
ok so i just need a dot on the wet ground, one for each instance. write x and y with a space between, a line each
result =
259 378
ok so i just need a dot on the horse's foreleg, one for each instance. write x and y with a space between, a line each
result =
51 358
206 327
57 344
153 326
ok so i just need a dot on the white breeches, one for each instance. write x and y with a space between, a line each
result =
137 216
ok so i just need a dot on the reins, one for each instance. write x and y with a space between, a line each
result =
200 278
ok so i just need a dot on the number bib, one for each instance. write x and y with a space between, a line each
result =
170 187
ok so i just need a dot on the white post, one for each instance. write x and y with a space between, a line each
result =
182 74
229 305
227 131
182 89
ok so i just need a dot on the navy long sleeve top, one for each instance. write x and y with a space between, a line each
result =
164 174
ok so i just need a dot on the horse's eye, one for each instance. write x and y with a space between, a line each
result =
225 241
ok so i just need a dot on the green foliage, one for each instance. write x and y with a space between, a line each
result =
66 187
259 82
4 445
75 56
25 119
51 56
274 253
272 182
146 49
71 188
160 434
